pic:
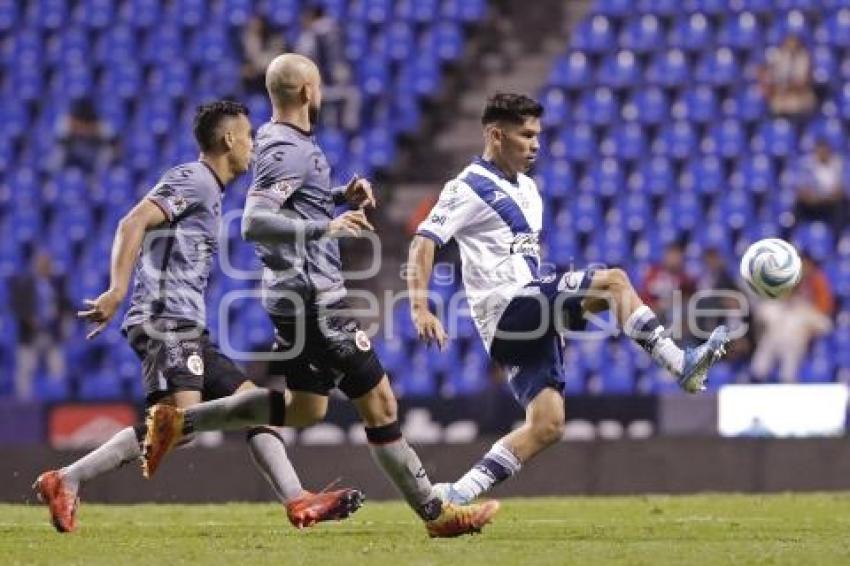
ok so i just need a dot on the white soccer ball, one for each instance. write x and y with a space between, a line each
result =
771 267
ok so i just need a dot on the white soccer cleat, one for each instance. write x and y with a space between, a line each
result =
702 357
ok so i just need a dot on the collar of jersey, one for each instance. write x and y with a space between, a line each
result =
215 176
304 133
491 167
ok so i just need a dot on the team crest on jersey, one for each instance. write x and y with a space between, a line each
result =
283 189
178 204
195 364
361 339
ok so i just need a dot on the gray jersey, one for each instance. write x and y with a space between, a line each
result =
177 256
287 213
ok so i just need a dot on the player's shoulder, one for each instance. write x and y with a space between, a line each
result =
278 141
191 174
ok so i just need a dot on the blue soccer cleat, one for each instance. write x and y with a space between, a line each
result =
702 357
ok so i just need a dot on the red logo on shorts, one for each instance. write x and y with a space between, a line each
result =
362 341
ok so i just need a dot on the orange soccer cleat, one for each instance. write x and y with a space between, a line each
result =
311 508
165 430
62 502
457 520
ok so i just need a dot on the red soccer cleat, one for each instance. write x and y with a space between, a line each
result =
311 508
164 432
62 502
457 520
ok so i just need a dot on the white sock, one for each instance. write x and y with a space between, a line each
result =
643 327
495 467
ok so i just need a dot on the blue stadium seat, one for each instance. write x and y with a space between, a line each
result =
557 179
705 175
556 108
237 12
587 212
830 130
571 72
718 68
642 35
756 174
676 139
817 239
48 14
626 142
594 35
727 139
123 81
692 33
447 41
635 212
165 44
660 8
418 11
73 81
736 209
649 106
655 176
686 210
668 69
697 104
100 387
824 65
190 13
776 137
613 8
9 15
710 7
96 14
741 32
598 106
142 14
619 70
794 22
379 148
605 178
283 13
401 41
118 45
748 105
71 48
817 369
417 378
471 377
836 29
576 142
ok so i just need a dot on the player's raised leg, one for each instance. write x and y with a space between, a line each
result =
612 289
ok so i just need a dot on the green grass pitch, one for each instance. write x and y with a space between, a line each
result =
810 529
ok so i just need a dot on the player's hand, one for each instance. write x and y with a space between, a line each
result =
359 193
101 311
429 328
351 223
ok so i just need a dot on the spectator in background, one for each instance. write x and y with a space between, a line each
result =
721 293
789 325
321 41
786 79
83 141
820 190
259 45
43 312
667 288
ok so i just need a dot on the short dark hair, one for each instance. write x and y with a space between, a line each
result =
514 108
209 116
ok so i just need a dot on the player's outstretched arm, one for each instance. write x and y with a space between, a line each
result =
125 250
420 263
266 225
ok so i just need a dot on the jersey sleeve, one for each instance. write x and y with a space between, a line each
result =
456 209
178 191
279 171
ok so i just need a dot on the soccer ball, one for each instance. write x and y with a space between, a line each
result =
771 267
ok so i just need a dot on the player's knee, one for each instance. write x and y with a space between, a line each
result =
382 407
549 430
615 279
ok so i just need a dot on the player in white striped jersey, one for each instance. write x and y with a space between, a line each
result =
494 212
